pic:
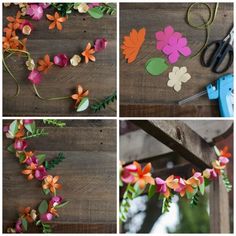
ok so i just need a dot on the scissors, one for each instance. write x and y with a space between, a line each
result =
223 47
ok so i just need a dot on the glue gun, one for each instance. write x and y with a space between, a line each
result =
223 91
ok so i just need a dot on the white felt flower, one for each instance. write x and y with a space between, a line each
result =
178 76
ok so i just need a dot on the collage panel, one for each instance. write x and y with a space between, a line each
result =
176 176
59 178
59 59
171 52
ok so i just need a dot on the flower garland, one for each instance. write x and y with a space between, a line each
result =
137 179
36 167
12 44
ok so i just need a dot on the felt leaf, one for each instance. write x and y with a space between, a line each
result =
24 224
11 149
190 195
21 157
31 127
217 151
156 66
41 158
38 223
202 187
83 105
46 191
62 204
13 128
95 12
43 207
138 190
151 191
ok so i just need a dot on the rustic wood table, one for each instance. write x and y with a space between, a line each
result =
98 77
88 176
144 95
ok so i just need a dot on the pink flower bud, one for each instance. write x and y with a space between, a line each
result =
20 145
46 217
35 77
61 60
100 44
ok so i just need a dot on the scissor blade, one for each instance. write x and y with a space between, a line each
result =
189 99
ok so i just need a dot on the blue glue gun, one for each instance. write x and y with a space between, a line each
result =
223 91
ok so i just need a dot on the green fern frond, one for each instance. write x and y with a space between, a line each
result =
195 199
37 133
54 162
166 204
226 181
54 122
107 9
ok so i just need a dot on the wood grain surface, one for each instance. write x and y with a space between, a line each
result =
88 176
98 77
144 95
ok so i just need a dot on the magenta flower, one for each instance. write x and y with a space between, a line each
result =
223 160
181 184
126 174
61 60
94 4
56 200
6 128
35 77
28 122
163 37
210 173
46 217
175 47
18 226
40 173
161 185
44 5
35 11
100 44
26 27
20 145
33 160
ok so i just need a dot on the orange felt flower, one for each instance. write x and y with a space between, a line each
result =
57 20
132 44
50 183
80 94
25 213
87 53
224 152
30 171
45 64
9 41
20 133
15 21
143 177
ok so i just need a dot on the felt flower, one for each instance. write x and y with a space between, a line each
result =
223 160
40 173
55 200
143 177
44 5
177 77
163 37
209 173
218 166
30 64
44 64
15 21
56 21
26 27
46 217
27 121
88 53
81 7
25 213
18 227
94 4
81 93
60 60
100 44
127 173
9 41
225 152
30 170
20 145
35 77
75 60
35 11
175 47
197 176
50 183
30 158
33 214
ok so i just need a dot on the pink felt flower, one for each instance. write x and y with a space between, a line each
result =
163 37
223 160
100 44
33 160
35 11
18 226
176 47
210 173
61 60
20 145
94 4
44 5
161 185
35 77
199 177
40 173
26 27
126 174
181 185
28 122
46 217
56 200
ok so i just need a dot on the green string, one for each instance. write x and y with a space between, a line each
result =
205 25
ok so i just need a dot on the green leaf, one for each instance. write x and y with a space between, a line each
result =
11 149
54 162
62 204
190 195
217 151
21 157
13 128
83 105
202 187
156 66
24 223
41 158
137 190
151 191
43 207
31 127
46 191
38 223
95 13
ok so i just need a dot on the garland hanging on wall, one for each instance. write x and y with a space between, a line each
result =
35 167
138 179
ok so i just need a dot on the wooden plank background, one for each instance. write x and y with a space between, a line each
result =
144 95
88 176
98 77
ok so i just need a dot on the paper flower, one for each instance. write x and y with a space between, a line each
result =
127 173
45 64
15 22
61 60
26 27
56 21
81 93
88 53
40 173
177 77
46 217
35 11
35 77
50 183
20 144
143 177
75 60
100 44
175 47
163 37
30 64
81 7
